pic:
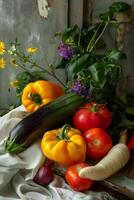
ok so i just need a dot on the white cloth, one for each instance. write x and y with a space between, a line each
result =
17 172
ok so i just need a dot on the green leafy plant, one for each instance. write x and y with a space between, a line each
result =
113 9
91 73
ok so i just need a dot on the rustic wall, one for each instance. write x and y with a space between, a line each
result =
21 19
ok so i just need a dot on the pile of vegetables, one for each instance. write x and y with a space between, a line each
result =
79 121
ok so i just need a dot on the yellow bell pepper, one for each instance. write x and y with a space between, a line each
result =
65 146
39 93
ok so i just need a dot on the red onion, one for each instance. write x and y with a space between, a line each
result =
44 175
49 163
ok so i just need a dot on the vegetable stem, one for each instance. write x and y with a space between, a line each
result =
27 59
123 136
63 133
79 39
24 68
93 38
106 24
46 71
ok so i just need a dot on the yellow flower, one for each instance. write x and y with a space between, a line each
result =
14 83
2 48
32 50
2 63
13 62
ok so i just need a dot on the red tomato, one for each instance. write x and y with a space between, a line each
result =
98 143
92 115
74 180
131 142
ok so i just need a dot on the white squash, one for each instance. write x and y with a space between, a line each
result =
116 159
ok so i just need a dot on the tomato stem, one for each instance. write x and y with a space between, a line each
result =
95 108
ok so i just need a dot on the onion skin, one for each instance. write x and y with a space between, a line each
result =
44 175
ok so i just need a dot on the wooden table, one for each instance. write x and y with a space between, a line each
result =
120 185
123 181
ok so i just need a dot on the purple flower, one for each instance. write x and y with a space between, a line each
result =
80 89
65 51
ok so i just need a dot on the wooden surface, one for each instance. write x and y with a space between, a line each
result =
123 181
120 185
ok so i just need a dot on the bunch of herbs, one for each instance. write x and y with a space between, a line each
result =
83 62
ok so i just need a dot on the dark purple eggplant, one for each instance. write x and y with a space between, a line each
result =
45 118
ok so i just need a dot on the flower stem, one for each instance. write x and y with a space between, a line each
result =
79 39
26 59
25 69
106 24
46 71
93 38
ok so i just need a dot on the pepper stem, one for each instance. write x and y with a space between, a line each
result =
63 133
36 98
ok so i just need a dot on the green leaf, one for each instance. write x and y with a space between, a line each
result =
69 35
77 65
115 71
69 40
115 55
114 8
130 110
97 74
61 64
107 16
123 98
119 7
127 124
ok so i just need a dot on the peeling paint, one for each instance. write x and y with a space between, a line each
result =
43 8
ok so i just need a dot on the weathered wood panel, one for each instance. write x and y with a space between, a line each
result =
75 12
21 19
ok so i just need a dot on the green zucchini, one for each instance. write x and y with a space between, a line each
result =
45 118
